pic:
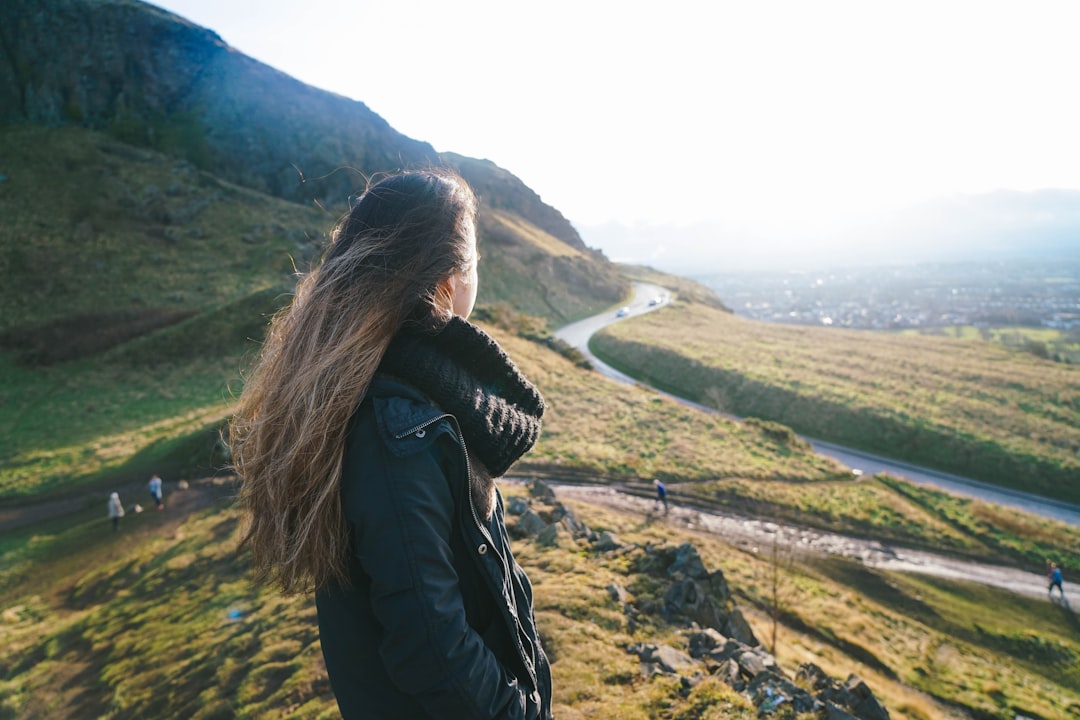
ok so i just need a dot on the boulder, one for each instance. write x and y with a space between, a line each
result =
704 641
528 525
691 599
865 705
664 658
737 628
542 491
607 541
516 506
687 562
549 536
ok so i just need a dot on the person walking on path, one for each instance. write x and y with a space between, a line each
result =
661 496
368 439
155 491
1055 581
116 510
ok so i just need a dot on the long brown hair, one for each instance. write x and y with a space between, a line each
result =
386 265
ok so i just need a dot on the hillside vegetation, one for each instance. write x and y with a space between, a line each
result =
136 285
984 411
160 620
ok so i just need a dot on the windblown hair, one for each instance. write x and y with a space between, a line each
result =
384 267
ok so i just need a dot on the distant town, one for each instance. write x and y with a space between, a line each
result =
1028 293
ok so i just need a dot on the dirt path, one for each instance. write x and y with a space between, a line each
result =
754 534
738 530
180 502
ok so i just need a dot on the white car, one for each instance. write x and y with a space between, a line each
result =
658 300
622 312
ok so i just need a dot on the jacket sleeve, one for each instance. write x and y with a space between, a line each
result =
402 527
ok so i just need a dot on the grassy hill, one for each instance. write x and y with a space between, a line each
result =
152 218
135 284
159 620
1000 415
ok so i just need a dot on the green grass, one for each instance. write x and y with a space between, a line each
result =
1042 342
991 413
160 620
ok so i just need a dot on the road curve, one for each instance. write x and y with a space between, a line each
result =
577 334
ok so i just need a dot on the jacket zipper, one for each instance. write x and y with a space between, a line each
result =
507 575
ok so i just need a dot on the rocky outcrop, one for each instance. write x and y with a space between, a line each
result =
719 642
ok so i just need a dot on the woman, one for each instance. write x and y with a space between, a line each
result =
367 439
116 510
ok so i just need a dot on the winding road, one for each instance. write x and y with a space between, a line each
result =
577 334
753 533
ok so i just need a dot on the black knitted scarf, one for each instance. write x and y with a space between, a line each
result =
465 372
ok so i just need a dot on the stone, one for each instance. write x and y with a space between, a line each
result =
810 674
608 541
729 673
690 599
866 706
516 506
666 658
835 712
754 662
528 525
730 649
541 491
549 536
738 628
702 642
688 562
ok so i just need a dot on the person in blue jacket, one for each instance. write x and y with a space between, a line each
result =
367 441
661 496
1054 574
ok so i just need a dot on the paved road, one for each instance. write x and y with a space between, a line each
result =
578 334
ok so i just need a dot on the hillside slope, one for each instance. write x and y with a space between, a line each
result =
1002 416
148 78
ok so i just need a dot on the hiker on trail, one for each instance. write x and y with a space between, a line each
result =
368 439
661 496
155 491
116 510
1055 580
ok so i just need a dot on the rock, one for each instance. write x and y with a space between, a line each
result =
688 562
702 642
688 683
528 525
549 536
866 706
729 650
835 712
516 505
754 662
780 690
608 541
666 658
690 599
810 674
729 673
541 491
737 628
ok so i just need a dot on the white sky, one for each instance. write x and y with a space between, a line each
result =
780 115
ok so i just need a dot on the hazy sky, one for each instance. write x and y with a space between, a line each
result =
781 115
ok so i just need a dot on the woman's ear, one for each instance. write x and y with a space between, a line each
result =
444 293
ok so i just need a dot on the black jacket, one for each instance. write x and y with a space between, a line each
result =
438 621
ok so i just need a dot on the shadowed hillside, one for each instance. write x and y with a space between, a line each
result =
147 78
